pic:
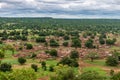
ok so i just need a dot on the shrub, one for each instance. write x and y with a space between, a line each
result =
5 67
93 56
111 61
74 54
24 38
29 46
76 43
51 68
53 52
21 60
54 43
65 44
64 73
116 76
40 39
35 67
43 63
68 61
22 74
66 37
89 43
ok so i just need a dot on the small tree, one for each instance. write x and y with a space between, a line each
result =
54 43
66 37
40 39
111 61
68 61
93 56
101 41
21 60
74 54
43 63
51 68
35 67
53 52
65 44
76 43
5 67
29 46
89 43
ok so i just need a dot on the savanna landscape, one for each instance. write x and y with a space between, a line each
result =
59 49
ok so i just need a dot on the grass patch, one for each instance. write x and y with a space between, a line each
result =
96 62
97 69
10 61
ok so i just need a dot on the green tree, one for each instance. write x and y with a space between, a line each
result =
35 67
76 43
68 61
29 46
116 76
40 39
54 53
93 56
65 44
43 63
111 61
74 54
89 43
5 67
21 60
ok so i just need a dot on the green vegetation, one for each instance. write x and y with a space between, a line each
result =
59 49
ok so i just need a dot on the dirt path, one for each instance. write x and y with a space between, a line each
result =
105 68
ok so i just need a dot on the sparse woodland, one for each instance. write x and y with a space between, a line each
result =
59 49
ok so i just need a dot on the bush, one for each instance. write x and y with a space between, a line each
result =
64 73
110 41
89 43
24 38
93 56
65 44
74 54
111 61
51 68
66 37
35 67
101 41
40 39
21 60
5 67
29 46
33 55
54 43
53 52
22 74
68 61
76 43
116 76
43 63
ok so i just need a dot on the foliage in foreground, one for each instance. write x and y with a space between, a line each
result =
23 74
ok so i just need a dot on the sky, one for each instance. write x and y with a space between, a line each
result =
60 8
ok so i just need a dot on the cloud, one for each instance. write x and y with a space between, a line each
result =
61 8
